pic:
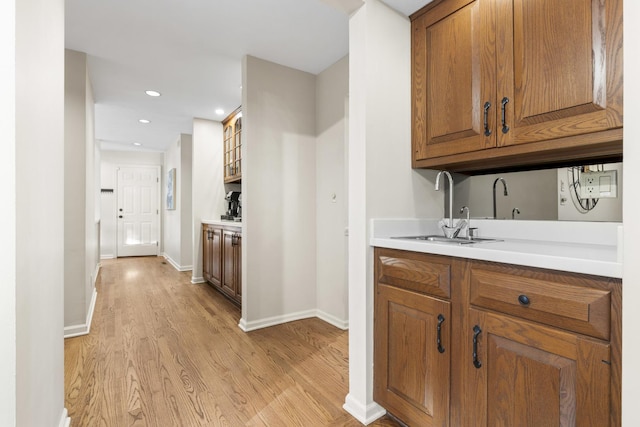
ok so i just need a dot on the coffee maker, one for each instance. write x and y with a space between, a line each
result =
233 212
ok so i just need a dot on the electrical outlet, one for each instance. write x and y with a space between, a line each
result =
596 185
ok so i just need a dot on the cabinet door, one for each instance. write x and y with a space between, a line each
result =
232 147
532 375
228 151
237 148
559 68
228 278
453 73
215 270
206 252
237 266
411 374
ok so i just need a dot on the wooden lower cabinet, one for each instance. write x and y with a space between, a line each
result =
520 346
222 259
526 374
212 254
231 282
412 355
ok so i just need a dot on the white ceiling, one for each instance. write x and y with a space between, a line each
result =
191 52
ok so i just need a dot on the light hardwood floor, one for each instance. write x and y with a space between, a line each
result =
165 352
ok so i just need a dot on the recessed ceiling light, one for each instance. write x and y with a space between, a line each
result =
137 144
152 92
219 111
145 121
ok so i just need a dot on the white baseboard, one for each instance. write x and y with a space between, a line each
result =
278 320
175 264
275 320
195 280
107 256
85 328
366 414
332 320
65 421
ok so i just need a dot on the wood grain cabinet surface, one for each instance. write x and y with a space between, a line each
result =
412 331
511 83
212 254
505 345
232 250
222 259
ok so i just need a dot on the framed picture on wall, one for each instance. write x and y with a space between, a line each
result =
171 189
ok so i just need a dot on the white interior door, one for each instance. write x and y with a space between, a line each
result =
138 210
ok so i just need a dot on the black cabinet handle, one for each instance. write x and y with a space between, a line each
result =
504 102
524 300
487 131
119 216
439 336
476 332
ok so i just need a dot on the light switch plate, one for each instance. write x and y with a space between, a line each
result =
597 185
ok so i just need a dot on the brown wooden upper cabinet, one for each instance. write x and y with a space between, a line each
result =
500 84
232 144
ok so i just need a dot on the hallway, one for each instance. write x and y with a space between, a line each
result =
165 352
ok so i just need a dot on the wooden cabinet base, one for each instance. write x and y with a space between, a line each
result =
222 259
473 343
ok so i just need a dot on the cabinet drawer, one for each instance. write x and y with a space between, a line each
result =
428 274
542 299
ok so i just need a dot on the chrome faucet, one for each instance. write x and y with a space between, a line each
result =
466 208
450 193
506 193
514 211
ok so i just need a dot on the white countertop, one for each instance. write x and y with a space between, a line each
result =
222 222
580 247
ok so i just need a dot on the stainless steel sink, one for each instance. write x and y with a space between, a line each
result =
451 241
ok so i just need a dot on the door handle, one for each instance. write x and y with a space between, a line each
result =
439 335
504 102
476 332
487 131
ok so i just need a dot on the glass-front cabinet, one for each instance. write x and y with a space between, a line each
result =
232 145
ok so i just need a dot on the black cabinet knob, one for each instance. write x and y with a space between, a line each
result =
524 300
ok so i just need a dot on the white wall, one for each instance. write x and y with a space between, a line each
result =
178 222
186 202
332 91
35 395
381 181
278 193
109 162
80 227
8 256
631 207
208 187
